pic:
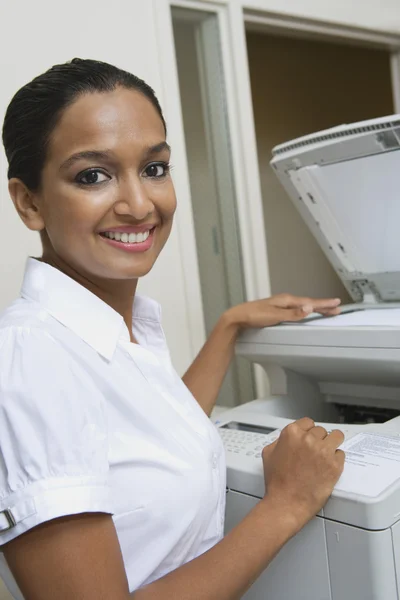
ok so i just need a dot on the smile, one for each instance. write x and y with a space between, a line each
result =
130 242
127 238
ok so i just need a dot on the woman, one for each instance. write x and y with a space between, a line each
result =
112 477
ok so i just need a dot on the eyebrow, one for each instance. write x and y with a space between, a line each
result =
107 154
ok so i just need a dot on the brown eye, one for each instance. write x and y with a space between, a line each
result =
157 170
91 177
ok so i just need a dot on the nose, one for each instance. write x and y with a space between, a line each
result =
133 199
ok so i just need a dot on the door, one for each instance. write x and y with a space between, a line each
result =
213 194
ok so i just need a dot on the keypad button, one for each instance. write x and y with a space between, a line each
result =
245 442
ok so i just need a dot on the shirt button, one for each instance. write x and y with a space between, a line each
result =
214 461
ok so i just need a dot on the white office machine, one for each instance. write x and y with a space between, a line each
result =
343 371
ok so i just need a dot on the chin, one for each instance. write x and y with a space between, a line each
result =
127 273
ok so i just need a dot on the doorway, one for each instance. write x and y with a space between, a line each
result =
213 195
300 86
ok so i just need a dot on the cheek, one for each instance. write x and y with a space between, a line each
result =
166 202
73 213
172 207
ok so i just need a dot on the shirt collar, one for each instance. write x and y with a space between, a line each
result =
74 306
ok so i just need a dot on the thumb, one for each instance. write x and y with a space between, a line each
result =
268 450
297 314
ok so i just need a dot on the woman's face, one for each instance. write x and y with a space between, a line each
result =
107 200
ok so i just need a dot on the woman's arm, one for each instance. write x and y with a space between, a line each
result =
206 375
79 558
228 570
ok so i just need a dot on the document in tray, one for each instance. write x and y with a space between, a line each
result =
372 464
377 317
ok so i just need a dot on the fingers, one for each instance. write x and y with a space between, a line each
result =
298 314
340 457
332 312
279 315
305 423
308 305
335 438
319 432
278 309
326 304
267 450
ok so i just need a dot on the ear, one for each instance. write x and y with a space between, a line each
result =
26 203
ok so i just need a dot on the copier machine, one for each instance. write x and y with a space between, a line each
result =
343 371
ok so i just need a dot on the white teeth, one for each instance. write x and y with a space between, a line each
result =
131 238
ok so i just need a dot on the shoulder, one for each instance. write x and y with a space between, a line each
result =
25 331
38 371
25 341
22 313
53 426
29 331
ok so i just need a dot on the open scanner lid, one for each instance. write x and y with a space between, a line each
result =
345 182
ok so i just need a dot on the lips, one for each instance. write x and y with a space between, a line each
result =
129 242
129 228
131 238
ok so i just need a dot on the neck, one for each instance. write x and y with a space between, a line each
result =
118 294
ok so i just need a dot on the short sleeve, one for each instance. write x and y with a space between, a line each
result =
53 434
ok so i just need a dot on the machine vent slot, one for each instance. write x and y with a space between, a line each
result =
335 135
362 415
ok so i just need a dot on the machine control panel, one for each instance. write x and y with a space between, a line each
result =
248 440
245 439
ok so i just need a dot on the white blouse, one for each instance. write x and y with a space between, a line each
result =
90 422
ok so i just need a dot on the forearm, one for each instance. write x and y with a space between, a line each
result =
206 374
226 571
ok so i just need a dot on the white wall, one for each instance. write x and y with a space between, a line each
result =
383 15
40 34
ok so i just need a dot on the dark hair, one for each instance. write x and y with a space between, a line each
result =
37 107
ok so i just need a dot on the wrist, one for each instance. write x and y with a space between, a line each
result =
290 518
230 319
